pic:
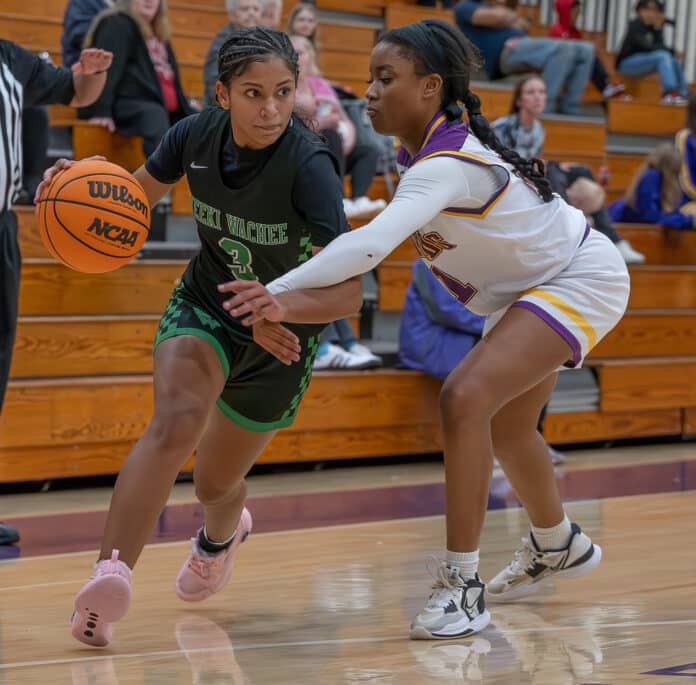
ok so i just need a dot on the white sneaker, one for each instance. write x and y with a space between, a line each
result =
455 608
613 89
337 358
630 255
531 567
365 354
362 206
671 99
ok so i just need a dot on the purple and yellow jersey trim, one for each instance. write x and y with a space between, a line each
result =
687 175
443 138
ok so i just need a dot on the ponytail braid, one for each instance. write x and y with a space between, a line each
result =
532 169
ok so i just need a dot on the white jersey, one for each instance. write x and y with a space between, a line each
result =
489 238
502 238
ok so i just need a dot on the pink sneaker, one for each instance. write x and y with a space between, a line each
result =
102 602
204 574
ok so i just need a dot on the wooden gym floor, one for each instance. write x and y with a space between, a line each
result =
323 590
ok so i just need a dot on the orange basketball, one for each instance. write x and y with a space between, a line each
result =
94 217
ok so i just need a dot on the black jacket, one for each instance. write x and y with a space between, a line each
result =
131 76
641 38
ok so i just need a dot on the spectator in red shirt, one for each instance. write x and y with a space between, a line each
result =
566 28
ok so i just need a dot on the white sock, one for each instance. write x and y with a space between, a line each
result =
552 538
466 562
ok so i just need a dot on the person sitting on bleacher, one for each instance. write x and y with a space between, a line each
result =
655 195
316 101
242 14
644 52
686 144
76 22
500 34
522 131
303 21
565 28
143 94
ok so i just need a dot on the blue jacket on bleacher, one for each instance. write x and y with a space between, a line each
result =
648 209
437 331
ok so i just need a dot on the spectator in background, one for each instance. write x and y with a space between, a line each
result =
76 22
8 534
500 34
686 144
272 13
317 102
339 348
242 14
303 21
565 28
522 131
143 94
655 195
644 52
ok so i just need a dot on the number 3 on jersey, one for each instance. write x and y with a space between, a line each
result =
241 259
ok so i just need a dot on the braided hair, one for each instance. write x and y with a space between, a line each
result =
257 44
436 47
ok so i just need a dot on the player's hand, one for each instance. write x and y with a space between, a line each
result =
252 298
282 343
50 173
93 61
106 122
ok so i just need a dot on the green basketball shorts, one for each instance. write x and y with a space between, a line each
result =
261 393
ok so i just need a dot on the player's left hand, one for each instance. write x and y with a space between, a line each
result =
254 299
93 61
281 342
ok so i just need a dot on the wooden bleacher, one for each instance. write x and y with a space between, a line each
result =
83 352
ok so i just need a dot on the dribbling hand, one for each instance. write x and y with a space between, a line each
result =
50 173
282 343
252 298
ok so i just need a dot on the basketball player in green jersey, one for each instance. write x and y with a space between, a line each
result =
266 195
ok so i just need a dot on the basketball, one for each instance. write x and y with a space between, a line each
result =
94 217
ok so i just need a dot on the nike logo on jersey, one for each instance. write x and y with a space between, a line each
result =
197 166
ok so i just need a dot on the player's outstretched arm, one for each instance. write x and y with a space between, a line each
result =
423 192
253 301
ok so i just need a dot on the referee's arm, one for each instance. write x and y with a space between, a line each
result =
89 76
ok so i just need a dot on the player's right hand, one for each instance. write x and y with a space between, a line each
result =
282 343
50 173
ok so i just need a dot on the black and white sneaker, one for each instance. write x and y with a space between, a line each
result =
531 567
455 608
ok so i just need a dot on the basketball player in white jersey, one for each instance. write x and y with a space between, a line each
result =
488 226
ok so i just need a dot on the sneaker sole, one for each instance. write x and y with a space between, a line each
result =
100 603
475 626
532 588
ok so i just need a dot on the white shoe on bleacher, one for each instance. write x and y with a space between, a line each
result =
362 206
336 357
630 255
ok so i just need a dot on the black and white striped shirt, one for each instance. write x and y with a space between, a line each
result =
25 80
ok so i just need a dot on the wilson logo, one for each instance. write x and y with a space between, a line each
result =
112 233
118 193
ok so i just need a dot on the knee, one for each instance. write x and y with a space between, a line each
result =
210 491
585 51
466 400
662 56
177 423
